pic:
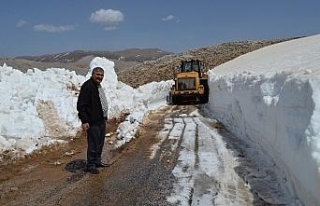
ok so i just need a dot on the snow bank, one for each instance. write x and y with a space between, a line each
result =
39 107
272 97
35 106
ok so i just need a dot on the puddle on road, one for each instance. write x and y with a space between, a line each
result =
77 168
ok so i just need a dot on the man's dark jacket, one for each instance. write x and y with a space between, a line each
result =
89 105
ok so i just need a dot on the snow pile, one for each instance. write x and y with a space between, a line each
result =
39 107
272 97
34 106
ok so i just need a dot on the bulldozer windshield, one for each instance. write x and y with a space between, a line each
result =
189 66
195 66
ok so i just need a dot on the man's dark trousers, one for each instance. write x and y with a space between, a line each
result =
95 138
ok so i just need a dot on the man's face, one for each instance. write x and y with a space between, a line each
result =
97 76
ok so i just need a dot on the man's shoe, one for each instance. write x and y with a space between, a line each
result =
92 170
102 164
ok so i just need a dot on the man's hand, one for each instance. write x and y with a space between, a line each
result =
85 126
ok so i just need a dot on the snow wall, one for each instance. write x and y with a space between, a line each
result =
277 110
38 108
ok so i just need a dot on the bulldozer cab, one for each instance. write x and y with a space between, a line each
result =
190 66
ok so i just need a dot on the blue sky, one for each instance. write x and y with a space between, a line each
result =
35 27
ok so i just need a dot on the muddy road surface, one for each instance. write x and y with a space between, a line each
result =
179 157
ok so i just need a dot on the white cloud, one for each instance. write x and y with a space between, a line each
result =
52 29
109 18
168 18
21 23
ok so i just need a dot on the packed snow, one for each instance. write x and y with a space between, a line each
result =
270 96
215 167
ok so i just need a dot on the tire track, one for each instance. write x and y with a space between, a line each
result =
205 167
186 163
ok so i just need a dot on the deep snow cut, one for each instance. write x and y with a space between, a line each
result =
271 96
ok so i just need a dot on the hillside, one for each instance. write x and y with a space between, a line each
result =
136 67
163 68
79 60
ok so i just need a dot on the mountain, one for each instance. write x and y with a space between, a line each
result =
136 67
79 60
134 55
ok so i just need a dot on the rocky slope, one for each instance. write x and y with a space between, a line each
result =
136 67
165 67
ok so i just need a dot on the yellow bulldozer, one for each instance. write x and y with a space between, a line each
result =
191 84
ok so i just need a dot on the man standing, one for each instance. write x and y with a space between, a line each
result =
92 109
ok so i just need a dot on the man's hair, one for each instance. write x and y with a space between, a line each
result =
97 69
